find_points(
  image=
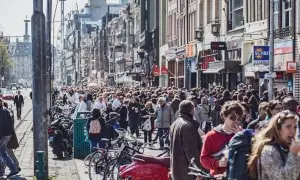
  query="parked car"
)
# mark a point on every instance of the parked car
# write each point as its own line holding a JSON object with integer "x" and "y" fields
{"x": 2, "y": 91}
{"x": 8, "y": 95}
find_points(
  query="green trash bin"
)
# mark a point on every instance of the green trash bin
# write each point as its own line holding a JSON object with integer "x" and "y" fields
{"x": 80, "y": 145}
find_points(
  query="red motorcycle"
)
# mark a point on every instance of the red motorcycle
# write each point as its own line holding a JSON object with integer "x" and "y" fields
{"x": 146, "y": 168}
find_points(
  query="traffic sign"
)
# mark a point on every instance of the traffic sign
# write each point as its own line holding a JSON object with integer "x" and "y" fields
{"x": 270, "y": 75}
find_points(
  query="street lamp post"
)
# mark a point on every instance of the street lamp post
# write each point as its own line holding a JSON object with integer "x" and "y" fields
{"x": 39, "y": 93}
{"x": 271, "y": 39}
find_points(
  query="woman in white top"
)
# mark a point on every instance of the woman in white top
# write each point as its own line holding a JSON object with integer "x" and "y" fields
{"x": 82, "y": 105}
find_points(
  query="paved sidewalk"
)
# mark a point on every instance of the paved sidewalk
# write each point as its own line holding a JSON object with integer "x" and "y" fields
{"x": 59, "y": 169}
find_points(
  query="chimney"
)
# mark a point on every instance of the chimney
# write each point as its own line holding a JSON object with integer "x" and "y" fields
{"x": 26, "y": 35}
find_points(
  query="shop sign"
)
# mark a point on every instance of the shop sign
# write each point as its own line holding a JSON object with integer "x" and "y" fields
{"x": 190, "y": 50}
{"x": 188, "y": 64}
{"x": 170, "y": 54}
{"x": 290, "y": 83}
{"x": 280, "y": 61}
{"x": 180, "y": 56}
{"x": 291, "y": 67}
{"x": 155, "y": 70}
{"x": 164, "y": 70}
{"x": 261, "y": 55}
{"x": 218, "y": 46}
{"x": 283, "y": 47}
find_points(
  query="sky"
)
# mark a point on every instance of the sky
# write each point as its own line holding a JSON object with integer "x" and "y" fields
{"x": 13, "y": 14}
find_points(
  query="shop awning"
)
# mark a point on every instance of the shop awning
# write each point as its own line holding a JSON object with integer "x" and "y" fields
{"x": 213, "y": 71}
{"x": 123, "y": 79}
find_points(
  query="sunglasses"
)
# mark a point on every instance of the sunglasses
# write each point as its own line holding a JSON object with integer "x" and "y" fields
{"x": 235, "y": 118}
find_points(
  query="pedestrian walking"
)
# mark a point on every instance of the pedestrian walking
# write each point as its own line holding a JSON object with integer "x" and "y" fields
{"x": 19, "y": 103}
{"x": 185, "y": 142}
{"x": 164, "y": 118}
{"x": 96, "y": 129}
{"x": 147, "y": 119}
{"x": 274, "y": 152}
{"x": 13, "y": 142}
{"x": 6, "y": 131}
{"x": 123, "y": 111}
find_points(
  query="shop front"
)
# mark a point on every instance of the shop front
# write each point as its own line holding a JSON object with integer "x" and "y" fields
{"x": 224, "y": 73}
{"x": 179, "y": 75}
{"x": 170, "y": 55}
{"x": 283, "y": 54}
{"x": 204, "y": 58}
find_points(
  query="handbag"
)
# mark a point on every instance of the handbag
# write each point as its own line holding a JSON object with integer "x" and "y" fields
{"x": 147, "y": 125}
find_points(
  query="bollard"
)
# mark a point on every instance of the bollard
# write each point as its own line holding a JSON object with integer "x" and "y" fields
{"x": 40, "y": 172}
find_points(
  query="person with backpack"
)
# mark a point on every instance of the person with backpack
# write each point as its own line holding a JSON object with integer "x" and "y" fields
{"x": 95, "y": 128}
{"x": 274, "y": 151}
{"x": 216, "y": 140}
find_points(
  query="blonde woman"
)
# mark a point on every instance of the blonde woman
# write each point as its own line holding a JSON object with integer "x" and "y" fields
{"x": 274, "y": 152}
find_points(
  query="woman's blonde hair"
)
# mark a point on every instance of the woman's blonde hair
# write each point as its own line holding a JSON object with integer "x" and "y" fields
{"x": 268, "y": 136}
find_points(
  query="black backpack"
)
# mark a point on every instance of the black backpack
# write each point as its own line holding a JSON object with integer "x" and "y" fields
{"x": 239, "y": 151}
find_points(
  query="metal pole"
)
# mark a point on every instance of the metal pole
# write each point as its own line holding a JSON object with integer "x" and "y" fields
{"x": 48, "y": 66}
{"x": 271, "y": 39}
{"x": 39, "y": 94}
{"x": 187, "y": 60}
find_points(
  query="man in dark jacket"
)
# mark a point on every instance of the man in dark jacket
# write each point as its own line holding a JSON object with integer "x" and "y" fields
{"x": 186, "y": 143}
{"x": 262, "y": 110}
{"x": 6, "y": 131}
{"x": 13, "y": 142}
{"x": 19, "y": 103}
{"x": 123, "y": 111}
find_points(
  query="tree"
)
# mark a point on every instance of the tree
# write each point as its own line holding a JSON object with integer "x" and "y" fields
{"x": 5, "y": 62}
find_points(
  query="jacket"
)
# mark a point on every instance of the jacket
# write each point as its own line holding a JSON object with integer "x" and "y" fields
{"x": 13, "y": 143}
{"x": 273, "y": 167}
{"x": 164, "y": 116}
{"x": 215, "y": 141}
{"x": 185, "y": 145}
{"x": 203, "y": 111}
{"x": 123, "y": 113}
{"x": 19, "y": 100}
{"x": 134, "y": 115}
{"x": 6, "y": 124}
{"x": 145, "y": 112}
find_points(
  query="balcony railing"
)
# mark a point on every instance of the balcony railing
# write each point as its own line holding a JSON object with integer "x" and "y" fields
{"x": 283, "y": 32}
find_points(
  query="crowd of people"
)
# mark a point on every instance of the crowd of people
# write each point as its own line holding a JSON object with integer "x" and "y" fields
{"x": 201, "y": 123}
{"x": 207, "y": 125}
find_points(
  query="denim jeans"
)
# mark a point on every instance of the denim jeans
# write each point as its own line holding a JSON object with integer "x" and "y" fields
{"x": 94, "y": 143}
{"x": 161, "y": 132}
{"x": 4, "y": 157}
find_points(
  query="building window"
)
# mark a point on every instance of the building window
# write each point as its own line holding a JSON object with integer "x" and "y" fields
{"x": 236, "y": 13}
{"x": 276, "y": 14}
{"x": 218, "y": 9}
{"x": 209, "y": 11}
{"x": 259, "y": 10}
{"x": 201, "y": 14}
{"x": 287, "y": 13}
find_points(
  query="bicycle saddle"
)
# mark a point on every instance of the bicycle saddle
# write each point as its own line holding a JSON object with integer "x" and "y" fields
{"x": 163, "y": 161}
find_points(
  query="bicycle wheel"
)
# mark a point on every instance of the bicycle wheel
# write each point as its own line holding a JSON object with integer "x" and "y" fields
{"x": 87, "y": 159}
{"x": 96, "y": 166}
{"x": 112, "y": 171}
